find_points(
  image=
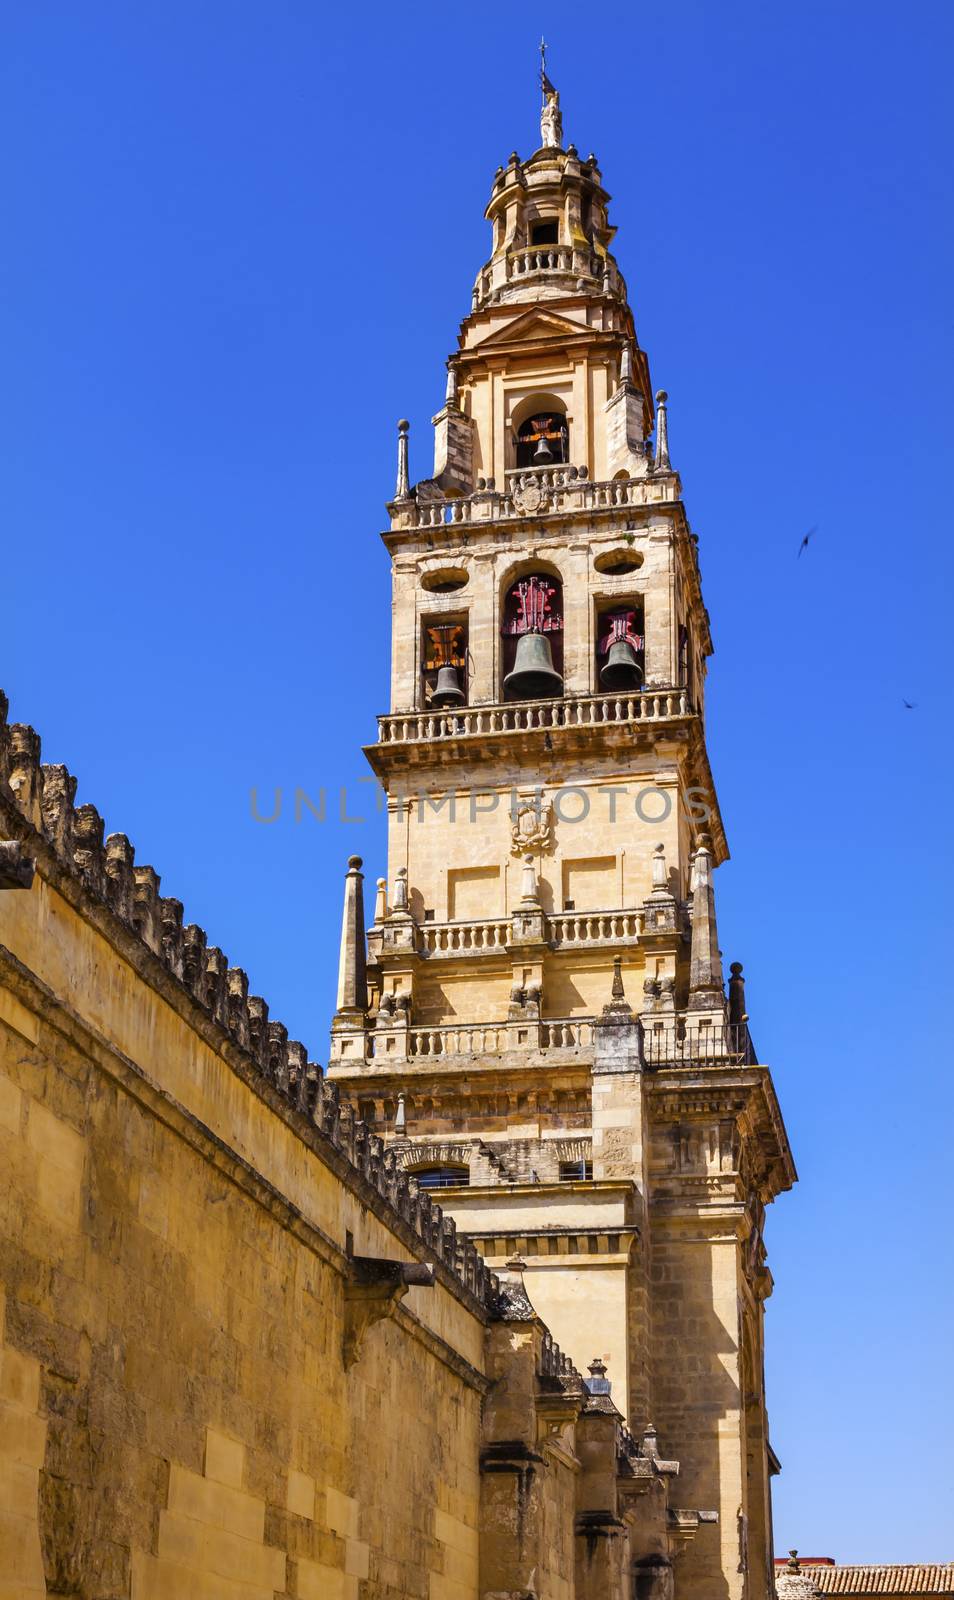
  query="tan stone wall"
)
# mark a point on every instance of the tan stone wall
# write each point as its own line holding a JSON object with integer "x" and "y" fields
{"x": 696, "y": 1294}
{"x": 175, "y": 1415}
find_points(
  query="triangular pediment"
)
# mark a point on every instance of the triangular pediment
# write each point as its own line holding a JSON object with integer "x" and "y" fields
{"x": 533, "y": 324}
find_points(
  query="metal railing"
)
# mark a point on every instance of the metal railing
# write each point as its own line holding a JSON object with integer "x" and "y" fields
{"x": 725, "y": 1044}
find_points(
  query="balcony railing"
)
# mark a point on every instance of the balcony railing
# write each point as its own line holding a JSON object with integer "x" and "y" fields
{"x": 561, "y": 929}
{"x": 494, "y": 1038}
{"x": 464, "y": 938}
{"x": 573, "y": 493}
{"x": 683, "y": 1044}
{"x": 725, "y": 1044}
{"x": 545, "y": 261}
{"x": 594, "y": 927}
{"x": 523, "y": 716}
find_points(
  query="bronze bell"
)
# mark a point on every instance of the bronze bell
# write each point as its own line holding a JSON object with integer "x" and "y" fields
{"x": 447, "y": 690}
{"x": 542, "y": 455}
{"x": 622, "y": 670}
{"x": 534, "y": 675}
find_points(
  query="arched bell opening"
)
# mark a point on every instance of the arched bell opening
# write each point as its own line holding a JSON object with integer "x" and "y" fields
{"x": 532, "y": 634}
{"x": 542, "y": 438}
{"x": 620, "y": 647}
{"x": 444, "y": 659}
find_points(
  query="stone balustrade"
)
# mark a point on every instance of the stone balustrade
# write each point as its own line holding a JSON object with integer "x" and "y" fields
{"x": 594, "y": 927}
{"x": 569, "y": 1035}
{"x": 571, "y": 493}
{"x": 464, "y": 938}
{"x": 502, "y": 275}
{"x": 565, "y": 928}
{"x": 522, "y": 716}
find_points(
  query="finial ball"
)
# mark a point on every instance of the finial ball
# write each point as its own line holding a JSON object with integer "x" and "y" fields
{"x": 355, "y": 863}
{"x": 403, "y": 425}
{"x": 661, "y": 397}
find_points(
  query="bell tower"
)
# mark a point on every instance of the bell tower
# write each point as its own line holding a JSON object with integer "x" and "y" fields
{"x": 543, "y": 1026}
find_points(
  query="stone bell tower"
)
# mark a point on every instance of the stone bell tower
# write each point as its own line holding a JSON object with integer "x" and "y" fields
{"x": 542, "y": 1026}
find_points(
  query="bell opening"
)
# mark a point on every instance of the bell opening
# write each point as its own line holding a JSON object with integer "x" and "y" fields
{"x": 444, "y": 662}
{"x": 620, "y": 649}
{"x": 533, "y": 638}
{"x": 542, "y": 439}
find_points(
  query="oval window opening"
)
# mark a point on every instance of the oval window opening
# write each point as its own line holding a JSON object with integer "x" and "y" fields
{"x": 616, "y": 563}
{"x": 447, "y": 581}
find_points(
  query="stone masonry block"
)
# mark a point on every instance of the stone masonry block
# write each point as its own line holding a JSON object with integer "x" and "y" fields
{"x": 54, "y": 1139}
{"x": 318, "y": 1582}
{"x": 215, "y": 1504}
{"x": 11, "y": 1101}
{"x": 300, "y": 1494}
{"x": 341, "y": 1513}
{"x": 224, "y": 1458}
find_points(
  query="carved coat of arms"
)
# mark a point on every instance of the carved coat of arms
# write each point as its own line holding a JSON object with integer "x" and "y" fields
{"x": 531, "y": 822}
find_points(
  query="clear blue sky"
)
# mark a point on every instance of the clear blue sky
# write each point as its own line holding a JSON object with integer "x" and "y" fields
{"x": 239, "y": 240}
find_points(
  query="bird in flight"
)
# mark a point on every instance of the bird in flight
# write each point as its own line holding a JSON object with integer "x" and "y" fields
{"x": 804, "y": 543}
{"x": 909, "y": 705}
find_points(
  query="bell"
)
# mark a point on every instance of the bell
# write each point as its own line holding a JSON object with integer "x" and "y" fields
{"x": 542, "y": 455}
{"x": 447, "y": 690}
{"x": 622, "y": 670}
{"x": 533, "y": 675}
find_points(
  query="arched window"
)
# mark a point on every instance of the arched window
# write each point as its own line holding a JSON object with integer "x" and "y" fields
{"x": 542, "y": 440}
{"x": 443, "y": 1177}
{"x": 533, "y": 638}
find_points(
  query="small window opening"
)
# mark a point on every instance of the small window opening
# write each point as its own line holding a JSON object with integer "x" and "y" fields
{"x": 575, "y": 1171}
{"x": 544, "y": 233}
{"x": 442, "y": 1177}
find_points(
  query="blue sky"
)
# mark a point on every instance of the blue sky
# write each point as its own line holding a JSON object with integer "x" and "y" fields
{"x": 240, "y": 239}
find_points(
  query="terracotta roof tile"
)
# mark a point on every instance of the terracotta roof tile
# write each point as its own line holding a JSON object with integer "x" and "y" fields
{"x": 863, "y": 1581}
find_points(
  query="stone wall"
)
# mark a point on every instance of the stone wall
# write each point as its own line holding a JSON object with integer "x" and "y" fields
{"x": 240, "y": 1354}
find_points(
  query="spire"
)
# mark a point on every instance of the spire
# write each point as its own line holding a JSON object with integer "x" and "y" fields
{"x": 661, "y": 458}
{"x": 617, "y": 1008}
{"x": 705, "y": 965}
{"x": 402, "y": 489}
{"x": 352, "y": 969}
{"x": 551, "y": 118}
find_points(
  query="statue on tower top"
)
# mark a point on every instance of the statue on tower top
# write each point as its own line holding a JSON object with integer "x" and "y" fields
{"x": 551, "y": 118}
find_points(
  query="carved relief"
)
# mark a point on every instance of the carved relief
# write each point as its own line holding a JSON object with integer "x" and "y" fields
{"x": 531, "y": 824}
